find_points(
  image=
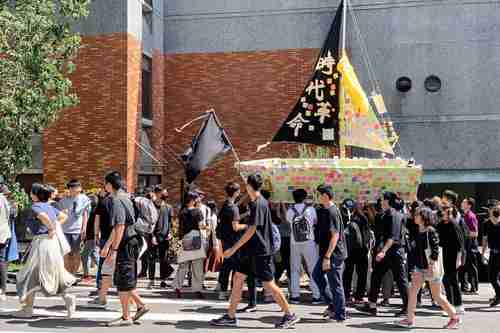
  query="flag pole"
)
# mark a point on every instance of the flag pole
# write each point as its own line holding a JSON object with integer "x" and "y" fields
{"x": 342, "y": 149}
{"x": 225, "y": 134}
{"x": 230, "y": 143}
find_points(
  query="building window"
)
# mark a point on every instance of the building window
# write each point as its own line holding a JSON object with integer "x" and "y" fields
{"x": 147, "y": 88}
{"x": 432, "y": 84}
{"x": 403, "y": 84}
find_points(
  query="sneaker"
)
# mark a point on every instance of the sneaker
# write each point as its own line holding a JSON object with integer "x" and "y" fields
{"x": 25, "y": 313}
{"x": 163, "y": 284}
{"x": 288, "y": 321}
{"x": 70, "y": 301}
{"x": 317, "y": 301}
{"x": 140, "y": 313}
{"x": 96, "y": 303}
{"x": 401, "y": 313}
{"x": 225, "y": 320}
{"x": 358, "y": 302}
{"x": 294, "y": 300}
{"x": 151, "y": 284}
{"x": 367, "y": 309}
{"x": 3, "y": 297}
{"x": 178, "y": 293}
{"x": 495, "y": 302}
{"x": 385, "y": 303}
{"x": 405, "y": 323}
{"x": 453, "y": 324}
{"x": 87, "y": 280}
{"x": 120, "y": 322}
{"x": 223, "y": 295}
{"x": 248, "y": 309}
{"x": 460, "y": 310}
{"x": 200, "y": 295}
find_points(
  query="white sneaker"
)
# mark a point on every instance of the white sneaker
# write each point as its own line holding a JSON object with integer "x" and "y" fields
{"x": 460, "y": 310}
{"x": 96, "y": 303}
{"x": 70, "y": 301}
{"x": 25, "y": 312}
{"x": 120, "y": 322}
{"x": 3, "y": 297}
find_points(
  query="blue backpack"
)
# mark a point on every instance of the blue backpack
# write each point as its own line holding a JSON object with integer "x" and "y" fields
{"x": 276, "y": 238}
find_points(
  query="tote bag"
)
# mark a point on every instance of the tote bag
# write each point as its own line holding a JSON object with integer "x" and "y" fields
{"x": 438, "y": 268}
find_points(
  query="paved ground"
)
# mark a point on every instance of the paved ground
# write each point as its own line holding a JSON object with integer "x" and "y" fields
{"x": 171, "y": 315}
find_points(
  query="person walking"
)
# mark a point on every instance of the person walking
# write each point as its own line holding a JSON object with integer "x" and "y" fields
{"x": 122, "y": 251}
{"x": 452, "y": 243}
{"x": 427, "y": 263}
{"x": 5, "y": 235}
{"x": 77, "y": 207}
{"x": 227, "y": 232}
{"x": 360, "y": 244}
{"x": 161, "y": 234}
{"x": 332, "y": 255}
{"x": 302, "y": 220}
{"x": 388, "y": 255}
{"x": 44, "y": 269}
{"x": 471, "y": 259}
{"x": 192, "y": 251}
{"x": 491, "y": 240}
{"x": 256, "y": 246}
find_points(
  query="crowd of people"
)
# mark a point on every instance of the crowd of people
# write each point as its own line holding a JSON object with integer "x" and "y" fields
{"x": 347, "y": 252}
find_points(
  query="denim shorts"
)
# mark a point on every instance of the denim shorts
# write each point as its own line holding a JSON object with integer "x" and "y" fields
{"x": 427, "y": 276}
{"x": 74, "y": 242}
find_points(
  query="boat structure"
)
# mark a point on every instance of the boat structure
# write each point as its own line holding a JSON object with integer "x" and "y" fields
{"x": 335, "y": 111}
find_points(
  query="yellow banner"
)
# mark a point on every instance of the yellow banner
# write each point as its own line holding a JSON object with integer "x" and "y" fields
{"x": 359, "y": 125}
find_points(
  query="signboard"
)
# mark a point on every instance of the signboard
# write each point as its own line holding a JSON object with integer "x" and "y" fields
{"x": 358, "y": 179}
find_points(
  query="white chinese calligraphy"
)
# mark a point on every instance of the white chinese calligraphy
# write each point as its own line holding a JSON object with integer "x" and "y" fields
{"x": 297, "y": 123}
{"x": 328, "y": 62}
{"x": 324, "y": 110}
{"x": 316, "y": 86}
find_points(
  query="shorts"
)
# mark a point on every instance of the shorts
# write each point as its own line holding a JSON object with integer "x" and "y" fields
{"x": 426, "y": 275}
{"x": 125, "y": 277}
{"x": 261, "y": 267}
{"x": 74, "y": 241}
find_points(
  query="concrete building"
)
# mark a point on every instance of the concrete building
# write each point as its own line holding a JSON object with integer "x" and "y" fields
{"x": 150, "y": 66}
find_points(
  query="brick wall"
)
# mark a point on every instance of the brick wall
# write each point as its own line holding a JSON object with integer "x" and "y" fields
{"x": 252, "y": 93}
{"x": 90, "y": 139}
{"x": 158, "y": 93}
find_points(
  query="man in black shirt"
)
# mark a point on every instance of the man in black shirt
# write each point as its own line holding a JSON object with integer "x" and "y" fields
{"x": 332, "y": 254}
{"x": 388, "y": 254}
{"x": 256, "y": 250}
{"x": 491, "y": 239}
{"x": 122, "y": 249}
{"x": 161, "y": 234}
{"x": 227, "y": 232}
{"x": 102, "y": 227}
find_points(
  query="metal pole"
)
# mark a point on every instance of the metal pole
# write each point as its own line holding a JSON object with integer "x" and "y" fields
{"x": 342, "y": 150}
{"x": 344, "y": 19}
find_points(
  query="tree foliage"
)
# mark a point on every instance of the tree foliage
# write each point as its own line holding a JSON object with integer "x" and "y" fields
{"x": 37, "y": 49}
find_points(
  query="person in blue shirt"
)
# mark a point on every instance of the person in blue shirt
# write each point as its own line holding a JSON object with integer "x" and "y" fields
{"x": 44, "y": 269}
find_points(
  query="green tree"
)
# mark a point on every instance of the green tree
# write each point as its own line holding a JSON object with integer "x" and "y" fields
{"x": 37, "y": 49}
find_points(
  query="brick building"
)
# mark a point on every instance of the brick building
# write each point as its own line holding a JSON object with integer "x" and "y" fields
{"x": 150, "y": 66}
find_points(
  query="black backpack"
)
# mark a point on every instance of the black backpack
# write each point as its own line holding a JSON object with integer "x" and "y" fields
{"x": 354, "y": 238}
{"x": 301, "y": 227}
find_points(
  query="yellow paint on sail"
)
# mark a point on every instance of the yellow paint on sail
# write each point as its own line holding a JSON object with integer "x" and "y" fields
{"x": 359, "y": 125}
